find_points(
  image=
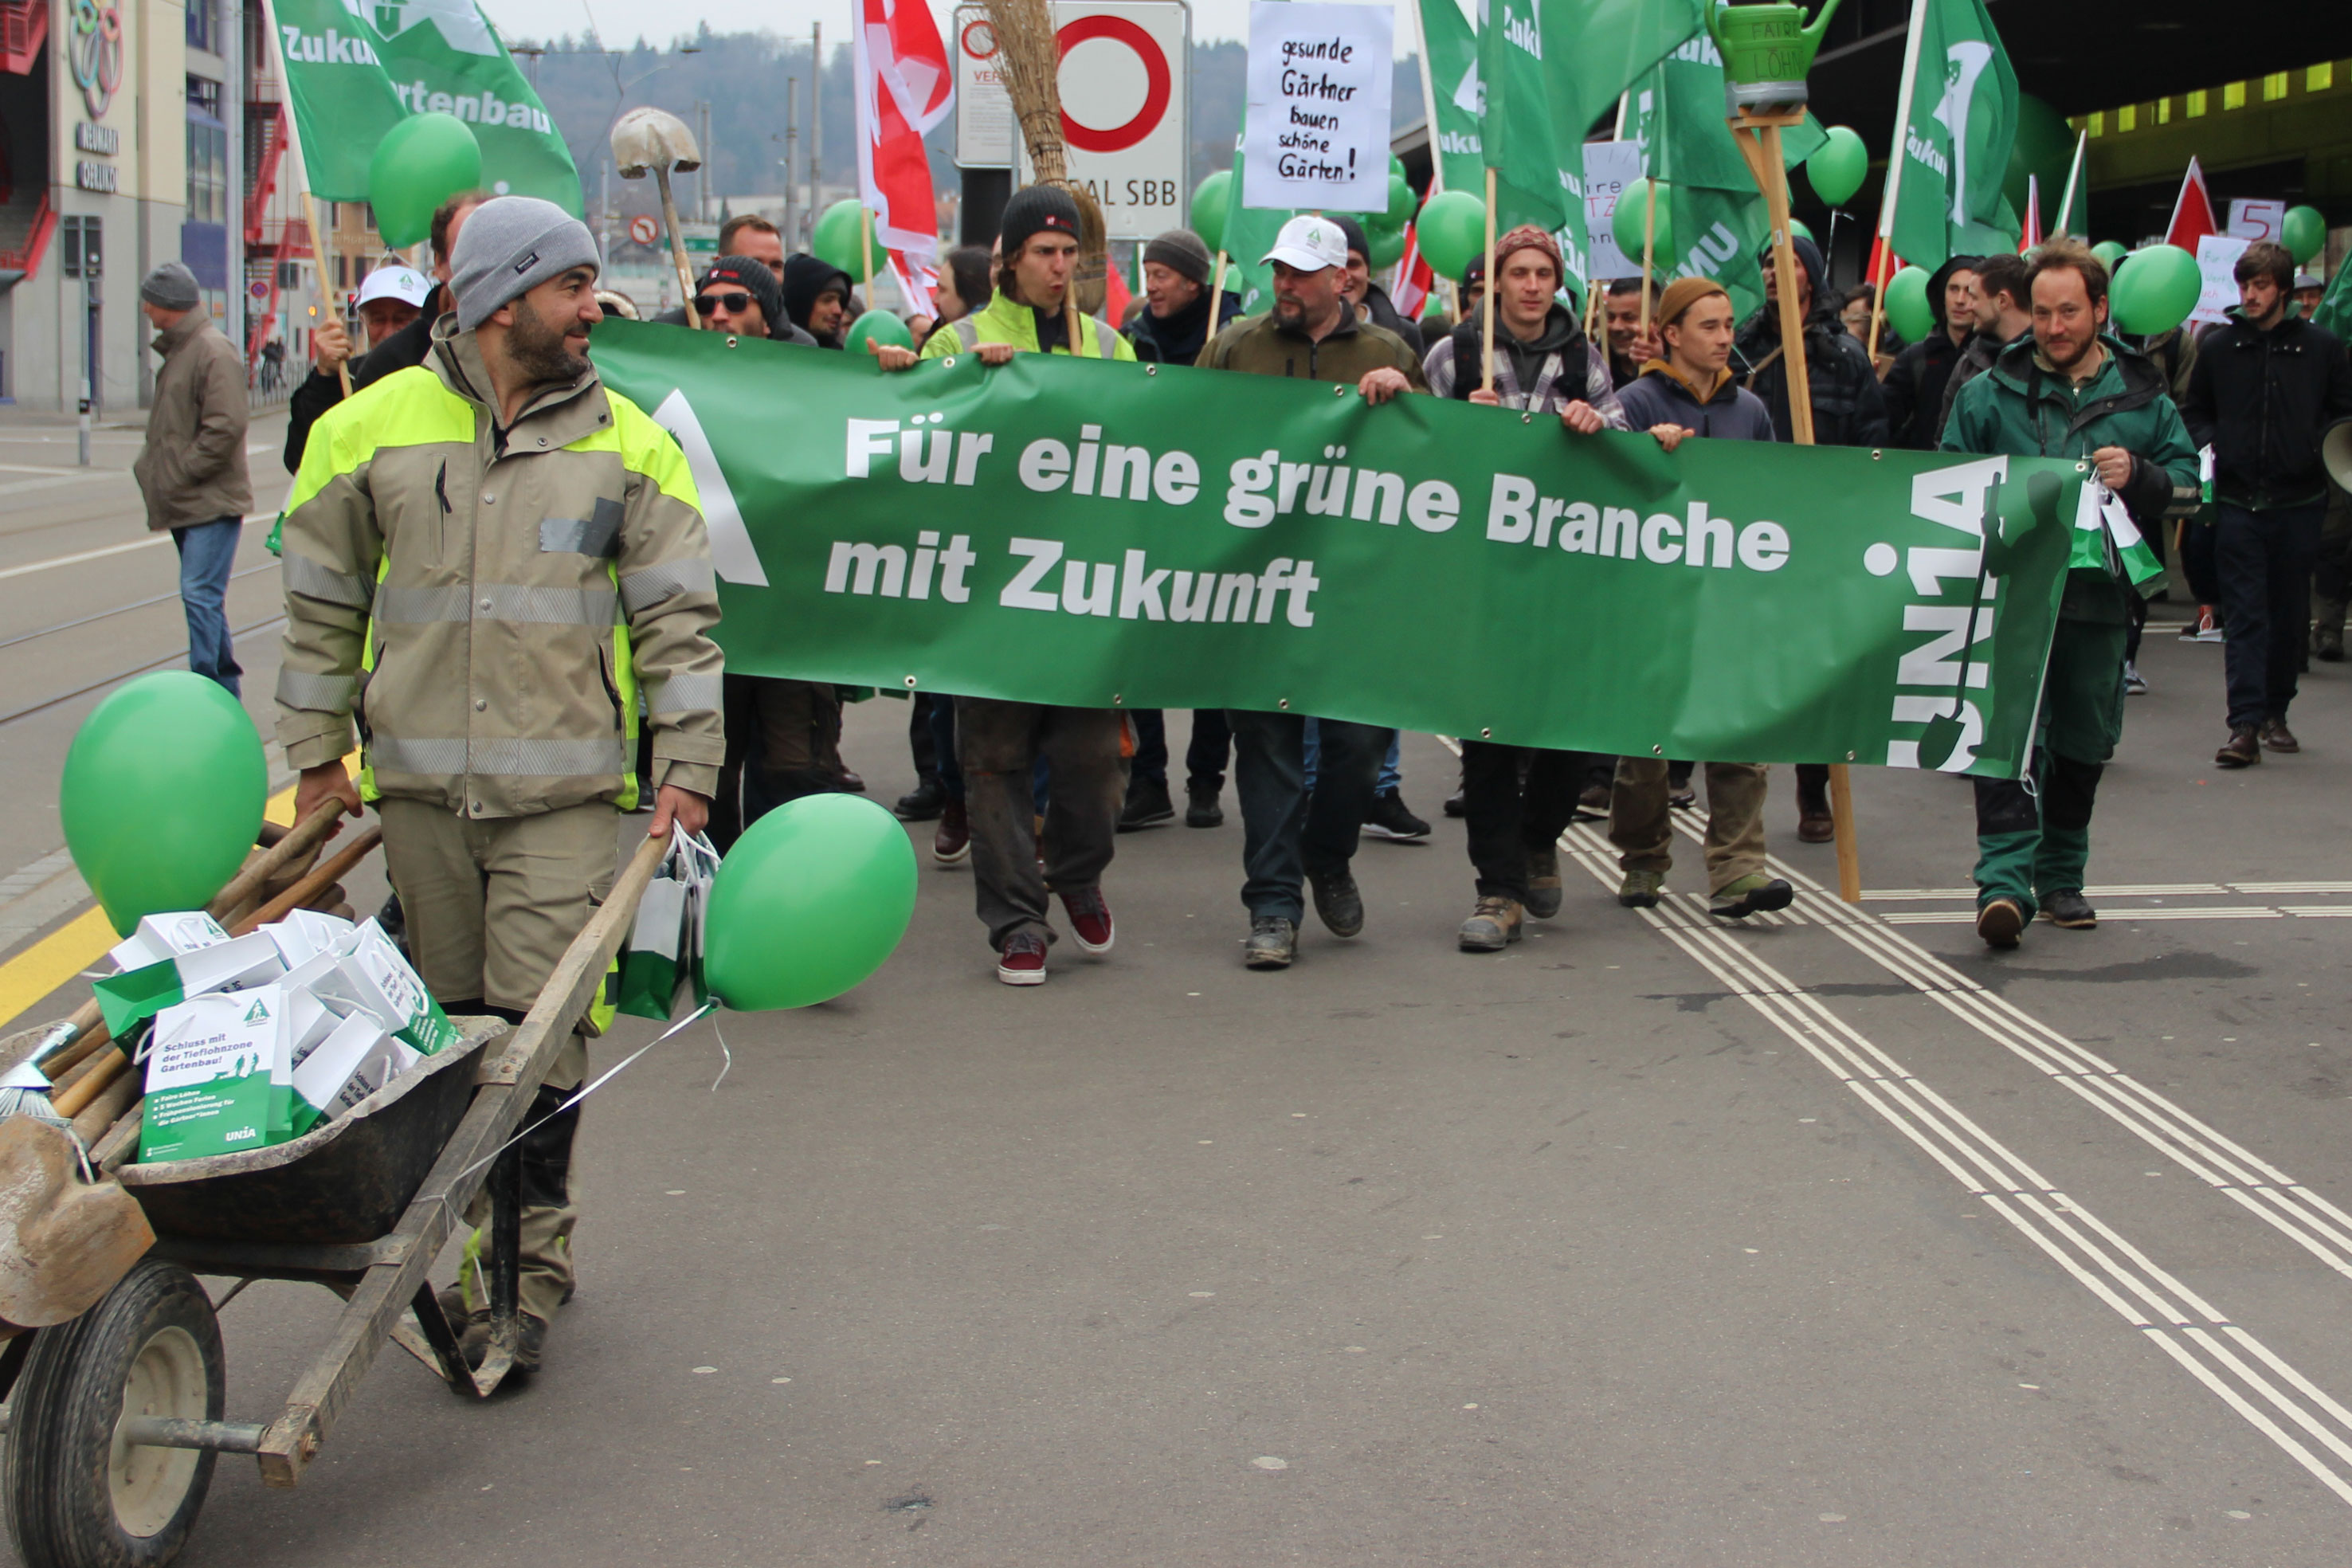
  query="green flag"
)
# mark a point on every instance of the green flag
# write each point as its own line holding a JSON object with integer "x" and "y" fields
{"x": 1453, "y": 53}
{"x": 2334, "y": 311}
{"x": 1515, "y": 122}
{"x": 1718, "y": 217}
{"x": 1249, "y": 234}
{"x": 1595, "y": 49}
{"x": 355, "y": 71}
{"x": 1958, "y": 121}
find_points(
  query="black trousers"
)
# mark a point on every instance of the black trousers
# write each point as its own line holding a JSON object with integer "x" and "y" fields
{"x": 1516, "y": 799}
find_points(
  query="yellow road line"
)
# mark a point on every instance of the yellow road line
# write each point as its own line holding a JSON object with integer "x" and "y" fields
{"x": 65, "y": 953}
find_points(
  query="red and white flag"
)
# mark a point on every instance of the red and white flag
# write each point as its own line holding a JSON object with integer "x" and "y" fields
{"x": 2033, "y": 234}
{"x": 904, "y": 88}
{"x": 2192, "y": 212}
{"x": 1414, "y": 278}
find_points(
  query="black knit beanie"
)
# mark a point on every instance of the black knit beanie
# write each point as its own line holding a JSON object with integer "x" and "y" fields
{"x": 1034, "y": 209}
{"x": 753, "y": 278}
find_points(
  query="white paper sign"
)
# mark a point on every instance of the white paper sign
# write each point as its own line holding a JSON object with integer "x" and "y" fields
{"x": 2258, "y": 220}
{"x": 1609, "y": 168}
{"x": 2217, "y": 260}
{"x": 1315, "y": 133}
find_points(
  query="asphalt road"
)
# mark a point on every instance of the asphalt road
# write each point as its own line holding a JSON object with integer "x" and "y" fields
{"x": 1832, "y": 1240}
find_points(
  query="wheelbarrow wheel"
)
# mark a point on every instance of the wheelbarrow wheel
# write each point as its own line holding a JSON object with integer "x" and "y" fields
{"x": 77, "y": 1495}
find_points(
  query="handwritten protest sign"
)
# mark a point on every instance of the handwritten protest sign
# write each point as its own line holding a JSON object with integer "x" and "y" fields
{"x": 1315, "y": 133}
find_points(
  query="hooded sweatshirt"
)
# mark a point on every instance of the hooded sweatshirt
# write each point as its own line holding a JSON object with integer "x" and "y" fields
{"x": 1723, "y": 411}
{"x": 806, "y": 278}
{"x": 1557, "y": 368}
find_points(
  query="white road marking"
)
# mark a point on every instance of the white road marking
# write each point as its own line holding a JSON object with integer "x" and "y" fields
{"x": 78, "y": 557}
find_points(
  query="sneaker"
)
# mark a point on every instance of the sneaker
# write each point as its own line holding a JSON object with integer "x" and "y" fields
{"x": 2277, "y": 737}
{"x": 1022, "y": 960}
{"x": 1337, "y": 901}
{"x": 951, "y": 844}
{"x": 1090, "y": 922}
{"x": 1639, "y": 890}
{"x": 2206, "y": 627}
{"x": 2135, "y": 683}
{"x": 1745, "y": 896}
{"x": 1543, "y": 882}
{"x": 2069, "y": 909}
{"x": 1202, "y": 810}
{"x": 1389, "y": 818}
{"x": 1273, "y": 942}
{"x": 923, "y": 802}
{"x": 2244, "y": 749}
{"x": 1458, "y": 804}
{"x": 1492, "y": 926}
{"x": 1592, "y": 805}
{"x": 1999, "y": 921}
{"x": 1148, "y": 806}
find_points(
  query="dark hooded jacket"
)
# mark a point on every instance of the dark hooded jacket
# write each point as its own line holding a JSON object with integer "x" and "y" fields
{"x": 1849, "y": 406}
{"x": 1180, "y": 338}
{"x": 806, "y": 279}
{"x": 320, "y": 392}
{"x": 1660, "y": 395}
{"x": 2260, "y": 400}
{"x": 1385, "y": 313}
{"x": 1916, "y": 384}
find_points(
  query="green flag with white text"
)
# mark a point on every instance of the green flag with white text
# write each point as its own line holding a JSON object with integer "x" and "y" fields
{"x": 1515, "y": 124}
{"x": 355, "y": 68}
{"x": 1595, "y": 49}
{"x": 1453, "y": 48}
{"x": 1958, "y": 126}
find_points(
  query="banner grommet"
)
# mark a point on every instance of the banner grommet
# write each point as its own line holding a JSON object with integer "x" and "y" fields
{"x": 910, "y": 683}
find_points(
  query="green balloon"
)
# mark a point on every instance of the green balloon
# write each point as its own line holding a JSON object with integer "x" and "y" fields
{"x": 163, "y": 793}
{"x": 876, "y": 326}
{"x": 2110, "y": 253}
{"x": 1797, "y": 229}
{"x": 2045, "y": 149}
{"x": 1839, "y": 166}
{"x": 2305, "y": 234}
{"x": 1210, "y": 199}
{"x": 1907, "y": 310}
{"x": 2155, "y": 289}
{"x": 1632, "y": 212}
{"x": 1386, "y": 246}
{"x": 1403, "y": 200}
{"x": 835, "y": 239}
{"x": 1396, "y": 167}
{"x": 808, "y": 903}
{"x": 421, "y": 163}
{"x": 1452, "y": 231}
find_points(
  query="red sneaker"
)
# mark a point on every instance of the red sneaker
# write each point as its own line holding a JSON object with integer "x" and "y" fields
{"x": 1089, "y": 920}
{"x": 1023, "y": 960}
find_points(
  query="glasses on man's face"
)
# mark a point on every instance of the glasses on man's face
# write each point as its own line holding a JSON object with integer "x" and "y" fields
{"x": 735, "y": 304}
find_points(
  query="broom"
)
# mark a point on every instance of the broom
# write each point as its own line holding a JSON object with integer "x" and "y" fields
{"x": 1030, "y": 57}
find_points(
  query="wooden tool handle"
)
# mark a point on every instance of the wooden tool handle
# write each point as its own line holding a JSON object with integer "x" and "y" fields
{"x": 106, "y": 1106}
{"x": 299, "y": 895}
{"x": 303, "y": 839}
{"x": 70, "y": 1101}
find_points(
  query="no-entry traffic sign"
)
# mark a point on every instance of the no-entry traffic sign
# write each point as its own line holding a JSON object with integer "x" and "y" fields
{"x": 1124, "y": 100}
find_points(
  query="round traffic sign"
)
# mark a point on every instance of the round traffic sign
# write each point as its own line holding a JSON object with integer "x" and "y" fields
{"x": 1156, "y": 90}
{"x": 644, "y": 229}
{"x": 978, "y": 39}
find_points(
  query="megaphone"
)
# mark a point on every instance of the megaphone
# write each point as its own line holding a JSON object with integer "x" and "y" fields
{"x": 2336, "y": 451}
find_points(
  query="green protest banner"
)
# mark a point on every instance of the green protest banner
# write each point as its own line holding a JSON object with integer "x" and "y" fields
{"x": 1100, "y": 534}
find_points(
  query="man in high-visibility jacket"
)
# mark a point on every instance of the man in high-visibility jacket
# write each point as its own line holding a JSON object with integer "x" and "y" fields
{"x": 486, "y": 557}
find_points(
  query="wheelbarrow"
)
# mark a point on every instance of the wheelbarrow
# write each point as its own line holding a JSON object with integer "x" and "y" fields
{"x": 114, "y": 1416}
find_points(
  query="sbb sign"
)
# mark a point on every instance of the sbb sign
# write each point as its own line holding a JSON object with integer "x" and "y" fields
{"x": 1124, "y": 99}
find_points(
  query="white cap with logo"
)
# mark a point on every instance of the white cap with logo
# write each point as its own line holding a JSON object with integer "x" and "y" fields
{"x": 405, "y": 284}
{"x": 1310, "y": 244}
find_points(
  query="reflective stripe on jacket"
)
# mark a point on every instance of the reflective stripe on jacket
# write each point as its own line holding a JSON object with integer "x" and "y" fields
{"x": 487, "y": 603}
{"x": 1006, "y": 320}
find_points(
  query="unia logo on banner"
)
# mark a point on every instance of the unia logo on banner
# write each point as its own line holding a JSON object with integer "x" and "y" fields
{"x": 461, "y": 25}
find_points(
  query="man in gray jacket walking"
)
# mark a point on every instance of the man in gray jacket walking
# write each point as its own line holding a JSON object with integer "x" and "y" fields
{"x": 192, "y": 469}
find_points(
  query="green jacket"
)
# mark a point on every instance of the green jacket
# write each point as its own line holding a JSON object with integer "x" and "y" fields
{"x": 2019, "y": 407}
{"x": 1006, "y": 320}
{"x": 488, "y": 603}
{"x": 1261, "y": 345}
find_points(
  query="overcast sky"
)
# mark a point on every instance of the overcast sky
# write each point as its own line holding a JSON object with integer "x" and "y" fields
{"x": 622, "y": 22}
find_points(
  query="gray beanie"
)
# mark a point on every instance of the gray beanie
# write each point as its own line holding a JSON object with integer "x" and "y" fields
{"x": 171, "y": 287}
{"x": 1181, "y": 250}
{"x": 510, "y": 246}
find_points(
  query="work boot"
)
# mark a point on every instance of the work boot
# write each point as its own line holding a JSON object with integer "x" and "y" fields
{"x": 1200, "y": 809}
{"x": 923, "y": 802}
{"x": 1815, "y": 825}
{"x": 1337, "y": 901}
{"x": 852, "y": 782}
{"x": 1273, "y": 942}
{"x": 1639, "y": 890}
{"x": 1592, "y": 804}
{"x": 2069, "y": 909}
{"x": 951, "y": 844}
{"x": 2243, "y": 750}
{"x": 1999, "y": 921}
{"x": 1390, "y": 818}
{"x": 1022, "y": 960}
{"x": 1745, "y": 896}
{"x": 530, "y": 1343}
{"x": 1492, "y": 926}
{"x": 1090, "y": 922}
{"x": 1148, "y": 806}
{"x": 2277, "y": 737}
{"x": 1543, "y": 882}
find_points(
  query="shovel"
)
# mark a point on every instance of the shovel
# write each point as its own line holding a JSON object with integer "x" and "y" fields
{"x": 658, "y": 142}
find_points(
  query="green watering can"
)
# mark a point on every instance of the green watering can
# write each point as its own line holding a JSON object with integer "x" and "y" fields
{"x": 1766, "y": 50}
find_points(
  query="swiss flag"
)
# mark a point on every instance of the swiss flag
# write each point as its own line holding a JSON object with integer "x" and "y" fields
{"x": 904, "y": 88}
{"x": 1116, "y": 297}
{"x": 1414, "y": 279}
{"x": 2192, "y": 213}
{"x": 1883, "y": 263}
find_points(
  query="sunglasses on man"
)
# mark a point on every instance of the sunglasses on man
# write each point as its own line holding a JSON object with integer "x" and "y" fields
{"x": 735, "y": 303}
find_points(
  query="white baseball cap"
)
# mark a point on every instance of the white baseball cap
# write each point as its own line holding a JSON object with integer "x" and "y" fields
{"x": 1310, "y": 244}
{"x": 405, "y": 284}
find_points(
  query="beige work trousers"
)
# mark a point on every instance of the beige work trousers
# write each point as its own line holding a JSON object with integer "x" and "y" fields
{"x": 1640, "y": 824}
